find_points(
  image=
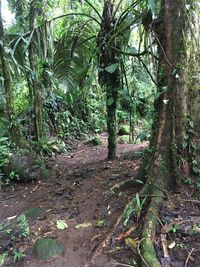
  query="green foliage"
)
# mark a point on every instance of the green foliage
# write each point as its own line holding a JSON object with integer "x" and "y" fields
{"x": 3, "y": 258}
{"x": 17, "y": 255}
{"x": 12, "y": 229}
{"x": 95, "y": 141}
{"x": 75, "y": 105}
{"x": 139, "y": 204}
{"x": 127, "y": 213}
{"x": 48, "y": 146}
{"x": 191, "y": 147}
{"x": 5, "y": 151}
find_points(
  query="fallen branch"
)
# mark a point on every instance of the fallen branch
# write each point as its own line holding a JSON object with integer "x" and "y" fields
{"x": 188, "y": 257}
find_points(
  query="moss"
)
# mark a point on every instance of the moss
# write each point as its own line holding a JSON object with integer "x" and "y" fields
{"x": 47, "y": 248}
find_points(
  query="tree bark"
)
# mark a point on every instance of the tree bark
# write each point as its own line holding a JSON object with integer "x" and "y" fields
{"x": 13, "y": 124}
{"x": 110, "y": 80}
{"x": 38, "y": 119}
{"x": 170, "y": 119}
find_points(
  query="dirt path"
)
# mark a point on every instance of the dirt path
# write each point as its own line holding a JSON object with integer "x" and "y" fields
{"x": 77, "y": 192}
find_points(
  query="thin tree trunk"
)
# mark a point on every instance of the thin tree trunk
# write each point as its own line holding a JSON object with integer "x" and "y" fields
{"x": 14, "y": 126}
{"x": 109, "y": 80}
{"x": 38, "y": 120}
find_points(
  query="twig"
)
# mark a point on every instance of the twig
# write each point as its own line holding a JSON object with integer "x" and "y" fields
{"x": 191, "y": 200}
{"x": 188, "y": 257}
{"x": 164, "y": 245}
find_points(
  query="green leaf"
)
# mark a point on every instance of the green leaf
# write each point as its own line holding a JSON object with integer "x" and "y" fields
{"x": 110, "y": 101}
{"x": 132, "y": 50}
{"x": 174, "y": 72}
{"x": 112, "y": 68}
{"x": 191, "y": 123}
{"x": 185, "y": 144}
{"x": 152, "y": 7}
{"x": 101, "y": 222}
{"x": 139, "y": 181}
{"x": 61, "y": 224}
{"x": 137, "y": 198}
{"x": 127, "y": 213}
{"x": 198, "y": 87}
{"x": 196, "y": 170}
{"x": 1, "y": 43}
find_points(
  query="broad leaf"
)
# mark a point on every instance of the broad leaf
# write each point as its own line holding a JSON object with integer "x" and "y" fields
{"x": 152, "y": 7}
{"x": 111, "y": 68}
{"x": 61, "y": 224}
{"x": 110, "y": 101}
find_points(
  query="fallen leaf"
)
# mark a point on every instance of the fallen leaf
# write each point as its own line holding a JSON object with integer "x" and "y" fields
{"x": 132, "y": 243}
{"x": 172, "y": 245}
{"x": 61, "y": 224}
{"x": 83, "y": 225}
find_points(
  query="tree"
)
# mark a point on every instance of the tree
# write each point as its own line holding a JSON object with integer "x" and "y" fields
{"x": 7, "y": 84}
{"x": 171, "y": 33}
{"x": 109, "y": 74}
{"x": 37, "y": 101}
{"x": 113, "y": 36}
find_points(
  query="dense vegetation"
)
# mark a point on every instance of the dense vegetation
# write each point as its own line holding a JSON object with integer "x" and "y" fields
{"x": 71, "y": 70}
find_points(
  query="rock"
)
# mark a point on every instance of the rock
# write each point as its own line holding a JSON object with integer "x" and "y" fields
{"x": 26, "y": 167}
{"x": 47, "y": 248}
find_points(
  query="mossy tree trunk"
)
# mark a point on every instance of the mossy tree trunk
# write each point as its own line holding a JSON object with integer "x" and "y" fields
{"x": 47, "y": 73}
{"x": 170, "y": 118}
{"x": 7, "y": 84}
{"x": 37, "y": 93}
{"x": 109, "y": 77}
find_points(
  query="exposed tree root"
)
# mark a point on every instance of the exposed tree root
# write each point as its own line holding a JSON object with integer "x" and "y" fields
{"x": 107, "y": 239}
{"x": 149, "y": 258}
{"x": 146, "y": 245}
{"x": 125, "y": 185}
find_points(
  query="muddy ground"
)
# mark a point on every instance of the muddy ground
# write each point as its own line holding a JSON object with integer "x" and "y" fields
{"x": 78, "y": 192}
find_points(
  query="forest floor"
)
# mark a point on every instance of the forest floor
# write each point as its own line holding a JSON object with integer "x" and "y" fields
{"x": 78, "y": 192}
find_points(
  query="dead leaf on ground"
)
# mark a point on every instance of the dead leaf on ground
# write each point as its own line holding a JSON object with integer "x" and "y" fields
{"x": 83, "y": 225}
{"x": 132, "y": 243}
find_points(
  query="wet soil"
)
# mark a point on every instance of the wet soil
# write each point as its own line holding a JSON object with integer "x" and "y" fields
{"x": 78, "y": 192}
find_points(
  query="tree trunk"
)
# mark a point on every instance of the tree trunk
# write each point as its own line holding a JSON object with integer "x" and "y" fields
{"x": 170, "y": 119}
{"x": 13, "y": 124}
{"x": 38, "y": 119}
{"x": 109, "y": 78}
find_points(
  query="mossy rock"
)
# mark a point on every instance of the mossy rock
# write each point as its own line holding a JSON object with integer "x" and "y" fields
{"x": 47, "y": 248}
{"x": 33, "y": 213}
{"x": 124, "y": 130}
{"x": 26, "y": 166}
{"x": 124, "y": 139}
